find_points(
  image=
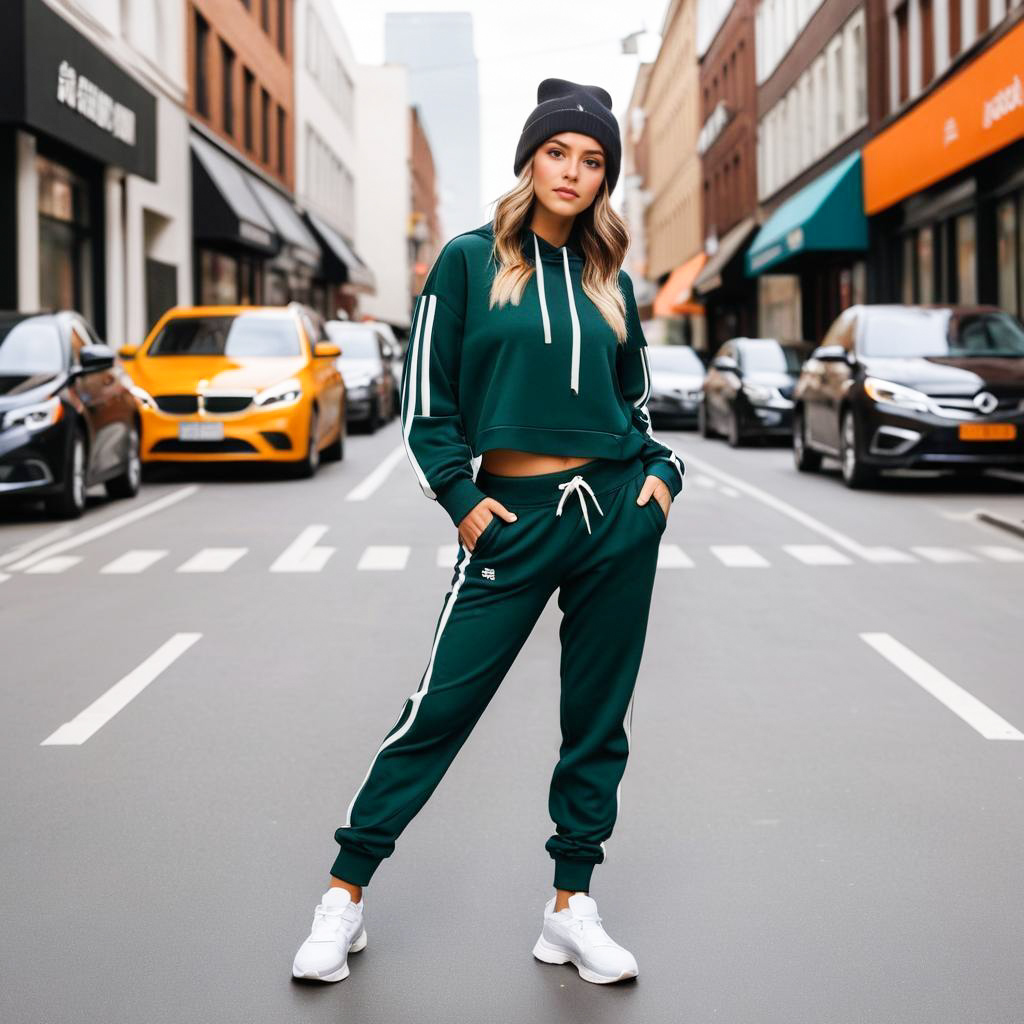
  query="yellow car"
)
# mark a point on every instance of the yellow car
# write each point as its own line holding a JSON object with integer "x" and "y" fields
{"x": 239, "y": 383}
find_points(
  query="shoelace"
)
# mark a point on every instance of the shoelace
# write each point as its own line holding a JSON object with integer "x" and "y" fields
{"x": 579, "y": 485}
{"x": 326, "y": 921}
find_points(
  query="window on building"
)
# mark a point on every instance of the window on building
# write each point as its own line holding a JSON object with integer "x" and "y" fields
{"x": 282, "y": 137}
{"x": 927, "y": 42}
{"x": 282, "y": 25}
{"x": 265, "y": 126}
{"x": 925, "y": 265}
{"x": 902, "y": 55}
{"x": 248, "y": 96}
{"x": 265, "y": 15}
{"x": 859, "y": 72}
{"x": 983, "y": 16}
{"x": 966, "y": 260}
{"x": 227, "y": 67}
{"x": 1008, "y": 268}
{"x": 200, "y": 71}
{"x": 907, "y": 271}
{"x": 955, "y": 42}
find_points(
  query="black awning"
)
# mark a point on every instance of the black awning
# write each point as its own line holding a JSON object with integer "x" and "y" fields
{"x": 224, "y": 205}
{"x": 711, "y": 278}
{"x": 341, "y": 260}
{"x": 288, "y": 224}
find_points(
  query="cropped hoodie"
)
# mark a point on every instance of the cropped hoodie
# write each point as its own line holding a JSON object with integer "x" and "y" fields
{"x": 547, "y": 375}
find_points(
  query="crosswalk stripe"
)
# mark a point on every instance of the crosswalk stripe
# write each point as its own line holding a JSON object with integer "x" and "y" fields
{"x": 886, "y": 556}
{"x": 738, "y": 556}
{"x": 1001, "y": 554}
{"x": 212, "y": 560}
{"x": 4, "y": 576}
{"x": 301, "y": 555}
{"x": 384, "y": 556}
{"x": 944, "y": 556}
{"x": 134, "y": 561}
{"x": 58, "y": 563}
{"x": 816, "y": 554}
{"x": 672, "y": 556}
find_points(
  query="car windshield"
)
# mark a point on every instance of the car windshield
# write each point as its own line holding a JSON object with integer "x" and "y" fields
{"x": 769, "y": 357}
{"x": 30, "y": 348}
{"x": 237, "y": 336}
{"x": 355, "y": 342}
{"x": 675, "y": 359}
{"x": 908, "y": 333}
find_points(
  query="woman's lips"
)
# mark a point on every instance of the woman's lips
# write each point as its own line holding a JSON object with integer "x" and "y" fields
{"x": 567, "y": 193}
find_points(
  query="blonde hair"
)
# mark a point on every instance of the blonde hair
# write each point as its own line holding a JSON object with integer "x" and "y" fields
{"x": 603, "y": 239}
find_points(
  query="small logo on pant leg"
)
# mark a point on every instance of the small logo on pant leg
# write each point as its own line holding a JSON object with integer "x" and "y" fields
{"x": 488, "y": 574}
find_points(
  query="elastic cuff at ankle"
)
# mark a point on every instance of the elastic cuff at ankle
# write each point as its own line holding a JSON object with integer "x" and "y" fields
{"x": 355, "y": 868}
{"x": 573, "y": 875}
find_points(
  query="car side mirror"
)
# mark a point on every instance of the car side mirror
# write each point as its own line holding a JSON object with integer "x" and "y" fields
{"x": 94, "y": 358}
{"x": 128, "y": 351}
{"x": 326, "y": 349}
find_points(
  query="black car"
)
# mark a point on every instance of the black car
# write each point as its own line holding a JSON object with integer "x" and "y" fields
{"x": 677, "y": 375}
{"x": 365, "y": 364}
{"x": 748, "y": 389}
{"x": 67, "y": 417}
{"x": 913, "y": 386}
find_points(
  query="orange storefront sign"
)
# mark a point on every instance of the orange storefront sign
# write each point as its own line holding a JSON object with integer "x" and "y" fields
{"x": 978, "y": 111}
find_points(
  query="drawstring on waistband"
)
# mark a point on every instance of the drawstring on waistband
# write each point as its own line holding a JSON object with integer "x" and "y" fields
{"x": 579, "y": 485}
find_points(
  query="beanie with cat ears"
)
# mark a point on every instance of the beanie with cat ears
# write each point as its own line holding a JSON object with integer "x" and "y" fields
{"x": 569, "y": 106}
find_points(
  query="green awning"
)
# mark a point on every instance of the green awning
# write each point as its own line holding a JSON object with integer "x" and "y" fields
{"x": 825, "y": 216}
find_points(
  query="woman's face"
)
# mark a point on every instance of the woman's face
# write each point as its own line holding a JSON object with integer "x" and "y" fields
{"x": 567, "y": 163}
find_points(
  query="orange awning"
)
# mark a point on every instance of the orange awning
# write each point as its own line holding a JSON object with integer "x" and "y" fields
{"x": 674, "y": 298}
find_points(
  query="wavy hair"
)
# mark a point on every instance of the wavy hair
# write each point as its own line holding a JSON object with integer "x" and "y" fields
{"x": 600, "y": 233}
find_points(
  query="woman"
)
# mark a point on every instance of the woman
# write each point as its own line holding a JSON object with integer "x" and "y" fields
{"x": 526, "y": 346}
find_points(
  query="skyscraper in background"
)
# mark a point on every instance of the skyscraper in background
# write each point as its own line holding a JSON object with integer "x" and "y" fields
{"x": 437, "y": 48}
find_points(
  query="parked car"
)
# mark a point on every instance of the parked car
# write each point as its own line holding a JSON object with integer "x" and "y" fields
{"x": 248, "y": 383}
{"x": 67, "y": 417}
{"x": 910, "y": 386}
{"x": 366, "y": 365}
{"x": 677, "y": 375}
{"x": 748, "y": 389}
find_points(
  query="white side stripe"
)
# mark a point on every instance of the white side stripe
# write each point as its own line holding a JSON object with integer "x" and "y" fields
{"x": 409, "y": 399}
{"x": 425, "y": 359}
{"x": 627, "y": 725}
{"x": 641, "y": 403}
{"x": 538, "y": 269}
{"x": 424, "y": 686}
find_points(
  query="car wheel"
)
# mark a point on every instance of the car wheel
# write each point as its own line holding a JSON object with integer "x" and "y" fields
{"x": 127, "y": 484}
{"x": 307, "y": 467}
{"x": 855, "y": 473}
{"x": 735, "y": 435}
{"x": 373, "y": 420}
{"x": 335, "y": 451}
{"x": 807, "y": 460}
{"x": 69, "y": 502}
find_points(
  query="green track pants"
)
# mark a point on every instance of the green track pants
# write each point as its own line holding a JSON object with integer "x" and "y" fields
{"x": 580, "y": 532}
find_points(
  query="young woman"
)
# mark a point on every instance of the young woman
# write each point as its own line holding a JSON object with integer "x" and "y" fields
{"x": 526, "y": 347}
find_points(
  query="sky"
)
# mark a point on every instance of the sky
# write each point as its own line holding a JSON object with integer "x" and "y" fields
{"x": 516, "y": 51}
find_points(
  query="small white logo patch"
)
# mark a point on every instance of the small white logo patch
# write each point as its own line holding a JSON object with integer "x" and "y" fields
{"x": 488, "y": 574}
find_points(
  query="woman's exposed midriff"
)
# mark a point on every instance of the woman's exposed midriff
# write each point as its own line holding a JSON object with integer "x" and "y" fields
{"x": 509, "y": 462}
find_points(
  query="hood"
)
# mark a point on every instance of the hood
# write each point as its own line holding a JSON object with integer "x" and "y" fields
{"x": 24, "y": 390}
{"x": 558, "y": 266}
{"x": 169, "y": 375}
{"x": 948, "y": 375}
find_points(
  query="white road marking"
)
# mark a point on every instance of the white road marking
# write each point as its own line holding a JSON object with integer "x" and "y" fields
{"x": 368, "y": 486}
{"x": 704, "y": 481}
{"x": 729, "y": 492}
{"x": 101, "y": 710}
{"x": 52, "y": 566}
{"x": 30, "y": 545}
{"x": 817, "y": 554}
{"x": 384, "y": 556}
{"x": 301, "y": 555}
{"x": 1001, "y": 554}
{"x": 135, "y": 561}
{"x": 672, "y": 556}
{"x": 975, "y": 713}
{"x": 108, "y": 527}
{"x": 4, "y": 576}
{"x": 944, "y": 556}
{"x": 738, "y": 556}
{"x": 212, "y": 560}
{"x": 783, "y": 507}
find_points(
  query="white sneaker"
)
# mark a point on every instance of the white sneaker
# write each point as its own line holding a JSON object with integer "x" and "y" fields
{"x": 576, "y": 935}
{"x": 337, "y": 931}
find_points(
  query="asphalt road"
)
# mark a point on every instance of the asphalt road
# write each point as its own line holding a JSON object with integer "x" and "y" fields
{"x": 821, "y": 819}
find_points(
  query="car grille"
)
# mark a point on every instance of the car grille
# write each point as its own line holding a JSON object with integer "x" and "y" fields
{"x": 1009, "y": 402}
{"x": 177, "y": 404}
{"x": 183, "y": 405}
{"x": 226, "y": 403}
{"x": 232, "y": 445}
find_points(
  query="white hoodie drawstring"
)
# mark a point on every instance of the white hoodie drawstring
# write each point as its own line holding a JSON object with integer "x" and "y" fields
{"x": 574, "y": 372}
{"x": 579, "y": 485}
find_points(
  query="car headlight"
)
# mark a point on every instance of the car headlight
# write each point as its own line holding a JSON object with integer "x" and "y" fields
{"x": 896, "y": 394}
{"x": 38, "y": 416}
{"x": 286, "y": 393}
{"x": 144, "y": 397}
{"x": 761, "y": 395}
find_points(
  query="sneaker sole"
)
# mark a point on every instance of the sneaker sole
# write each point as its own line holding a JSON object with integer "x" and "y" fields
{"x": 549, "y": 954}
{"x": 342, "y": 972}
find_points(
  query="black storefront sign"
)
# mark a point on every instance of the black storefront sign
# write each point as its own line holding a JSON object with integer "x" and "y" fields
{"x": 56, "y": 82}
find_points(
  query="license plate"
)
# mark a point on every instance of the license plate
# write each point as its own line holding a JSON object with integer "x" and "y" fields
{"x": 201, "y": 431}
{"x": 988, "y": 431}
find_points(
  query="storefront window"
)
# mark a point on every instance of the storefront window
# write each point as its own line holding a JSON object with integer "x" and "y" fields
{"x": 966, "y": 260}
{"x": 925, "y": 265}
{"x": 1006, "y": 254}
{"x": 907, "y": 271}
{"x": 65, "y": 244}
{"x": 218, "y": 279}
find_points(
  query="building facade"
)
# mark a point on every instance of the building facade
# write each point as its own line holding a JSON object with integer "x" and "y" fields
{"x": 424, "y": 232}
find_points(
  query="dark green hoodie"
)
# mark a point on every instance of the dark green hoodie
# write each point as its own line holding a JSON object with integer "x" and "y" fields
{"x": 546, "y": 376}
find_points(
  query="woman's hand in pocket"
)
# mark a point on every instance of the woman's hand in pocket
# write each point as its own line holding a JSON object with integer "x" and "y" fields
{"x": 654, "y": 485}
{"x": 475, "y": 521}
